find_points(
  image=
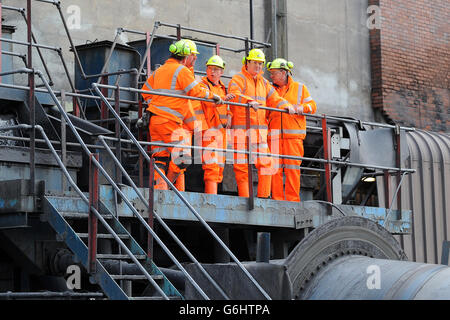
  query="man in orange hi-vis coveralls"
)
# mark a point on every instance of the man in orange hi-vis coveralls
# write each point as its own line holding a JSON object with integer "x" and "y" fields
{"x": 287, "y": 131}
{"x": 218, "y": 119}
{"x": 250, "y": 87}
{"x": 170, "y": 113}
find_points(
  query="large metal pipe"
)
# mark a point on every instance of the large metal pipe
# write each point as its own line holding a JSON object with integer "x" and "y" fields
{"x": 356, "y": 258}
{"x": 358, "y": 277}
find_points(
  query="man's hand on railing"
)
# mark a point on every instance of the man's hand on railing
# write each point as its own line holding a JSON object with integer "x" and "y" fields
{"x": 229, "y": 97}
{"x": 254, "y": 105}
{"x": 290, "y": 108}
{"x": 305, "y": 108}
{"x": 217, "y": 99}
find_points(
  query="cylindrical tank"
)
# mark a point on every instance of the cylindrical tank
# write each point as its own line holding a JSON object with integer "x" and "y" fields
{"x": 356, "y": 258}
{"x": 356, "y": 277}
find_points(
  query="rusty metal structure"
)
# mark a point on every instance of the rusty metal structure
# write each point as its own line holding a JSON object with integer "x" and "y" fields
{"x": 76, "y": 193}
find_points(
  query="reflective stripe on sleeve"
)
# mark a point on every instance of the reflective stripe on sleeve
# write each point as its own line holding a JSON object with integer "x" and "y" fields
{"x": 169, "y": 91}
{"x": 190, "y": 86}
{"x": 282, "y": 103}
{"x": 175, "y": 76}
{"x": 171, "y": 111}
{"x": 271, "y": 92}
{"x": 258, "y": 98}
{"x": 190, "y": 119}
{"x": 299, "y": 93}
{"x": 253, "y": 126}
{"x": 292, "y": 166}
{"x": 147, "y": 84}
{"x": 293, "y": 131}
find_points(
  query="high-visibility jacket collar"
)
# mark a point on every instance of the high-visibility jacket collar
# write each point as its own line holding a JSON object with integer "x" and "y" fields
{"x": 206, "y": 81}
{"x": 215, "y": 115}
{"x": 283, "y": 89}
{"x": 172, "y": 60}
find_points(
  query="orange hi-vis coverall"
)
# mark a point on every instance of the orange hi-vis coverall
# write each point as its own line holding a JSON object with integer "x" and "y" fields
{"x": 246, "y": 89}
{"x": 286, "y": 133}
{"x": 215, "y": 136}
{"x": 169, "y": 114}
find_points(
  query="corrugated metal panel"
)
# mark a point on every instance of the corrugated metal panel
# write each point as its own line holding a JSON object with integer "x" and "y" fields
{"x": 426, "y": 193}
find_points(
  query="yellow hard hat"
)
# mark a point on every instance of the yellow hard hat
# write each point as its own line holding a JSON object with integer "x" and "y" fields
{"x": 256, "y": 55}
{"x": 192, "y": 46}
{"x": 180, "y": 48}
{"x": 216, "y": 61}
{"x": 280, "y": 63}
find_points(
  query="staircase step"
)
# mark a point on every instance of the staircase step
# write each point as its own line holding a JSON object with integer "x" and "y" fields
{"x": 155, "y": 298}
{"x": 78, "y": 215}
{"x": 119, "y": 256}
{"x": 104, "y": 236}
{"x": 135, "y": 277}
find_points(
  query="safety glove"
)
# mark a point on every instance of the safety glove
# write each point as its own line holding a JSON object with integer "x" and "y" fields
{"x": 254, "y": 105}
{"x": 217, "y": 99}
{"x": 290, "y": 108}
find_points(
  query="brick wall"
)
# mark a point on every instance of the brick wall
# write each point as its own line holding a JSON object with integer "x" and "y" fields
{"x": 410, "y": 57}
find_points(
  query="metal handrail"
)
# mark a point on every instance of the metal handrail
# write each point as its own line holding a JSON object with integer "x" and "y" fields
{"x": 86, "y": 200}
{"x": 346, "y": 163}
{"x": 198, "y": 216}
{"x": 318, "y": 116}
{"x": 214, "y": 34}
{"x": 270, "y": 109}
{"x": 160, "y": 220}
{"x": 262, "y": 154}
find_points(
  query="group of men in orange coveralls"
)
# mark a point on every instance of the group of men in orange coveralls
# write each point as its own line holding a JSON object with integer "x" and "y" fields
{"x": 175, "y": 120}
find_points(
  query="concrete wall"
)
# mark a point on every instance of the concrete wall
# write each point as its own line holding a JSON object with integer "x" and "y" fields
{"x": 327, "y": 39}
{"x": 328, "y": 42}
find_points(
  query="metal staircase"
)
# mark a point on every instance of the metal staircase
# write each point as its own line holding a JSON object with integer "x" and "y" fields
{"x": 80, "y": 220}
{"x": 61, "y": 211}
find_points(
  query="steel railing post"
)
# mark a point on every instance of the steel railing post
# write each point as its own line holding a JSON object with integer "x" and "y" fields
{"x": 1, "y": 36}
{"x": 151, "y": 199}
{"x": 398, "y": 164}
{"x": 76, "y": 107}
{"x": 103, "y": 109}
{"x": 63, "y": 138}
{"x": 117, "y": 130}
{"x": 31, "y": 105}
{"x": 140, "y": 137}
{"x": 387, "y": 188}
{"x": 251, "y": 199}
{"x": 326, "y": 135}
{"x": 148, "y": 41}
{"x": 178, "y": 32}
